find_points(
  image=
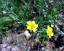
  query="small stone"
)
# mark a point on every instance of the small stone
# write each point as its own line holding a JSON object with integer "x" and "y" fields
{"x": 4, "y": 49}
{"x": 27, "y": 34}
{"x": 15, "y": 48}
{"x": 4, "y": 45}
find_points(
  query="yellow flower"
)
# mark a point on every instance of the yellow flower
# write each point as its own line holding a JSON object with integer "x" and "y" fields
{"x": 50, "y": 31}
{"x": 31, "y": 25}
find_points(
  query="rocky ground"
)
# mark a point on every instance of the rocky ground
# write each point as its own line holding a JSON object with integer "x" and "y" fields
{"x": 19, "y": 42}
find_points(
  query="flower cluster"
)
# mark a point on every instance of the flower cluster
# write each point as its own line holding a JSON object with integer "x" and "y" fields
{"x": 50, "y": 31}
{"x": 32, "y": 26}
